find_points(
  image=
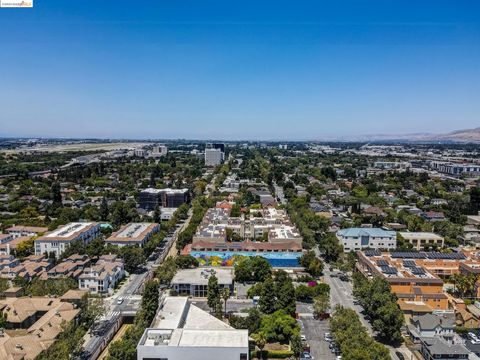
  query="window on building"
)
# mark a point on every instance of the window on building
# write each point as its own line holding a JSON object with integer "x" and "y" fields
{"x": 243, "y": 357}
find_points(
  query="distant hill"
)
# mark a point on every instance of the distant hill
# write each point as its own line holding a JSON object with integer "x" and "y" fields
{"x": 467, "y": 135}
{"x": 458, "y": 136}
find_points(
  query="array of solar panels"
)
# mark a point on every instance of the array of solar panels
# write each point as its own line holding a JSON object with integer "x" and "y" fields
{"x": 372, "y": 253}
{"x": 388, "y": 270}
{"x": 427, "y": 255}
{"x": 417, "y": 271}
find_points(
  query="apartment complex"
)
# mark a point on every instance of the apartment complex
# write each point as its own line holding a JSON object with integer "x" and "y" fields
{"x": 182, "y": 331}
{"x": 417, "y": 277}
{"x": 409, "y": 280}
{"x": 31, "y": 266}
{"x": 354, "y": 239}
{"x": 149, "y": 199}
{"x": 102, "y": 277}
{"x": 20, "y": 230}
{"x": 455, "y": 169}
{"x": 41, "y": 319}
{"x": 268, "y": 233}
{"x": 133, "y": 234}
{"x": 421, "y": 240}
{"x": 57, "y": 241}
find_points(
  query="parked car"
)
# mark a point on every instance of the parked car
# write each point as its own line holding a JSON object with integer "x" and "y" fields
{"x": 328, "y": 337}
{"x": 400, "y": 355}
{"x": 119, "y": 301}
{"x": 306, "y": 356}
{"x": 303, "y": 337}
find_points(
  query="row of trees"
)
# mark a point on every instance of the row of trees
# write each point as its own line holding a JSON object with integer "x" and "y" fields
{"x": 380, "y": 305}
{"x": 352, "y": 337}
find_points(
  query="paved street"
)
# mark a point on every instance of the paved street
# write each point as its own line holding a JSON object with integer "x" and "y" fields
{"x": 341, "y": 293}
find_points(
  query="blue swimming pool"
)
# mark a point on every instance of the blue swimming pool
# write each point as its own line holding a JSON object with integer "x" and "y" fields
{"x": 276, "y": 259}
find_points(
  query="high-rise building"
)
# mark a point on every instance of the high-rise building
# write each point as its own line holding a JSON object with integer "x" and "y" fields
{"x": 219, "y": 146}
{"x": 158, "y": 151}
{"x": 213, "y": 157}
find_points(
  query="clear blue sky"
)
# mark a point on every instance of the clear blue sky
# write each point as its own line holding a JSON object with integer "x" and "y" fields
{"x": 239, "y": 69}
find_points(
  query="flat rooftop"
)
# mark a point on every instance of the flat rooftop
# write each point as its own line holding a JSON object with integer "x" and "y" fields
{"x": 133, "y": 231}
{"x": 181, "y": 324}
{"x": 67, "y": 231}
{"x": 200, "y": 276}
{"x": 166, "y": 190}
{"x": 420, "y": 235}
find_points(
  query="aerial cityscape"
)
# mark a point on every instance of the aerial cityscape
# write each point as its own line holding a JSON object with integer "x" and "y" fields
{"x": 239, "y": 180}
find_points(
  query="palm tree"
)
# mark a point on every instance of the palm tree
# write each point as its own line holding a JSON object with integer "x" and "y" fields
{"x": 260, "y": 341}
{"x": 225, "y": 296}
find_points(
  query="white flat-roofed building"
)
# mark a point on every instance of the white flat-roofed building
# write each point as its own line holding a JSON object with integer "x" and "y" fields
{"x": 182, "y": 331}
{"x": 133, "y": 234}
{"x": 420, "y": 240}
{"x": 194, "y": 282}
{"x": 58, "y": 240}
{"x": 353, "y": 239}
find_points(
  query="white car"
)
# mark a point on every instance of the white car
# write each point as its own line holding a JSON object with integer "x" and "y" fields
{"x": 303, "y": 337}
{"x": 327, "y": 337}
{"x": 119, "y": 301}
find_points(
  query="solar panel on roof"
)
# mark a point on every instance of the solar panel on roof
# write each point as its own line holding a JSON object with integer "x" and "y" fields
{"x": 418, "y": 271}
{"x": 372, "y": 253}
{"x": 445, "y": 256}
{"x": 409, "y": 263}
{"x": 382, "y": 263}
{"x": 407, "y": 255}
{"x": 389, "y": 270}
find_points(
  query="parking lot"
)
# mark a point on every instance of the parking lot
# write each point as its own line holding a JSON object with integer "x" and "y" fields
{"x": 314, "y": 331}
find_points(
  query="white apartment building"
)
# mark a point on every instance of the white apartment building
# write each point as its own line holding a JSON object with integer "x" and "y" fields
{"x": 182, "y": 331}
{"x": 57, "y": 241}
{"x": 353, "y": 239}
{"x": 420, "y": 240}
{"x": 213, "y": 157}
{"x": 133, "y": 234}
{"x": 103, "y": 276}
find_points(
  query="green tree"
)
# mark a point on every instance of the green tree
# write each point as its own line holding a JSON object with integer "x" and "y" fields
{"x": 279, "y": 326}
{"x": 133, "y": 258}
{"x": 225, "y": 294}
{"x": 186, "y": 262}
{"x": 157, "y": 215}
{"x": 56, "y": 194}
{"x": 260, "y": 341}
{"x": 104, "y": 211}
{"x": 285, "y": 292}
{"x": 321, "y": 304}
{"x": 213, "y": 293}
{"x": 149, "y": 303}
{"x": 267, "y": 301}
